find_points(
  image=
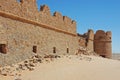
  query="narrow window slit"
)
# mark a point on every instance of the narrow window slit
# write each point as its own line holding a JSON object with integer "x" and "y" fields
{"x": 54, "y": 49}
{"x": 3, "y": 48}
{"x": 35, "y": 49}
{"x": 67, "y": 50}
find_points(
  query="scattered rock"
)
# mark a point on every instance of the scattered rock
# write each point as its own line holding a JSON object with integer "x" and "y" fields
{"x": 25, "y": 61}
{"x": 22, "y": 67}
{"x": 32, "y": 64}
{"x": 31, "y": 69}
{"x": 49, "y": 56}
{"x": 56, "y": 56}
{"x": 85, "y": 51}
{"x": 87, "y": 58}
{"x": 4, "y": 72}
{"x": 37, "y": 56}
{"x": 35, "y": 61}
{"x": 17, "y": 76}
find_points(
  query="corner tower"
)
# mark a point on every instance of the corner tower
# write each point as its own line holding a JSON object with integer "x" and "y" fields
{"x": 102, "y": 43}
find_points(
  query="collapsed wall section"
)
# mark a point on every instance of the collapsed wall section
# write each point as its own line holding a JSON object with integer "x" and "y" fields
{"x": 87, "y": 40}
{"x": 82, "y": 40}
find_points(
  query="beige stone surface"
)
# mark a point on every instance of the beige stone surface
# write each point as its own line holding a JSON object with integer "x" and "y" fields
{"x": 102, "y": 43}
{"x": 28, "y": 9}
{"x": 21, "y": 37}
{"x": 23, "y": 27}
{"x": 90, "y": 41}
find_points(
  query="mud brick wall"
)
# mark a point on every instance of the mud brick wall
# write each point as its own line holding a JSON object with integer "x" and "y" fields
{"x": 21, "y": 37}
{"x": 25, "y": 31}
{"x": 82, "y": 41}
{"x": 28, "y": 9}
{"x": 24, "y": 28}
{"x": 102, "y": 43}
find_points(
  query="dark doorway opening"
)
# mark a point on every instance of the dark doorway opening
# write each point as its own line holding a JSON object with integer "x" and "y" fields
{"x": 54, "y": 49}
{"x": 35, "y": 49}
{"x": 67, "y": 50}
{"x": 3, "y": 48}
{"x": 103, "y": 56}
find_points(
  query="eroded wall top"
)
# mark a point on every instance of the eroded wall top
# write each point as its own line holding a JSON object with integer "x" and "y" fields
{"x": 103, "y": 36}
{"x": 28, "y": 9}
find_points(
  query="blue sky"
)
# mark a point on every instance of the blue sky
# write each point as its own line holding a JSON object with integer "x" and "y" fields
{"x": 91, "y": 14}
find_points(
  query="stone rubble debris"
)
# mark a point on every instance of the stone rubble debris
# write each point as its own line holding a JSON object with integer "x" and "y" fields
{"x": 28, "y": 64}
{"x": 85, "y": 51}
{"x": 31, "y": 63}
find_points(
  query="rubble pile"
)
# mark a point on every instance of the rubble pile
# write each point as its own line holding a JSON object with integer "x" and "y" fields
{"x": 85, "y": 51}
{"x": 32, "y": 62}
{"x": 28, "y": 64}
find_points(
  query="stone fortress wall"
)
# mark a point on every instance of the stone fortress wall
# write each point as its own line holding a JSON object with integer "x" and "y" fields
{"x": 27, "y": 9}
{"x": 25, "y": 31}
{"x": 100, "y": 42}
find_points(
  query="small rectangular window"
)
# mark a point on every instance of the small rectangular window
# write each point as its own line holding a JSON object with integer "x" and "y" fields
{"x": 67, "y": 50}
{"x": 3, "y": 48}
{"x": 35, "y": 49}
{"x": 54, "y": 49}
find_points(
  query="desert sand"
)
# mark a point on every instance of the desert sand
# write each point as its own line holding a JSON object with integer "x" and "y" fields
{"x": 72, "y": 67}
{"x": 116, "y": 56}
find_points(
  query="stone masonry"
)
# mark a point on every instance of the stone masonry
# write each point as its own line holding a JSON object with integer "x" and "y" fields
{"x": 100, "y": 42}
{"x": 25, "y": 31}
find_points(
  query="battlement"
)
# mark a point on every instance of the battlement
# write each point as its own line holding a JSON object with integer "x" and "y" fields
{"x": 45, "y": 9}
{"x": 27, "y": 9}
{"x": 103, "y": 36}
{"x": 100, "y": 42}
{"x": 109, "y": 35}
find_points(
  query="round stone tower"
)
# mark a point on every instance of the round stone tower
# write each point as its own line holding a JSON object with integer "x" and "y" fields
{"x": 102, "y": 43}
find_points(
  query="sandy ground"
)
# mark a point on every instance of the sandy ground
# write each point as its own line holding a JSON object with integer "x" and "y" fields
{"x": 116, "y": 56}
{"x": 72, "y": 68}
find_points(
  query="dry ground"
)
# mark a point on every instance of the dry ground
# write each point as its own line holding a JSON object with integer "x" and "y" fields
{"x": 71, "y": 68}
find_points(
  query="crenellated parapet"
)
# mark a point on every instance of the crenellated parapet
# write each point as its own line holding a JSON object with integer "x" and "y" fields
{"x": 103, "y": 36}
{"x": 100, "y": 42}
{"x": 27, "y": 9}
{"x": 45, "y": 10}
